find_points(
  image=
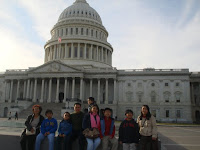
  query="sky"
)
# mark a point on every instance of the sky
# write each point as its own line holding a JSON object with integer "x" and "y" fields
{"x": 160, "y": 34}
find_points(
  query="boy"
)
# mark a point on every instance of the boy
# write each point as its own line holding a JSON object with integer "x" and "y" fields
{"x": 108, "y": 130}
{"x": 90, "y": 103}
{"x": 48, "y": 129}
{"x": 129, "y": 132}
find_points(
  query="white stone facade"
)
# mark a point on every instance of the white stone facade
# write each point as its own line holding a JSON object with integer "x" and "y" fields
{"x": 78, "y": 64}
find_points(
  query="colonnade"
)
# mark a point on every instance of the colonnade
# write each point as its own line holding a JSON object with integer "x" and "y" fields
{"x": 78, "y": 51}
{"x": 41, "y": 89}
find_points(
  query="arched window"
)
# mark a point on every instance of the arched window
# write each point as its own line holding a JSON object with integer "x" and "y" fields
{"x": 153, "y": 96}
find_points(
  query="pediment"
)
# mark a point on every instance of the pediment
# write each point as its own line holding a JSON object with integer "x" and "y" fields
{"x": 54, "y": 66}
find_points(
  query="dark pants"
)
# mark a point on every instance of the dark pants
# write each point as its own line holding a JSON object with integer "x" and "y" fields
{"x": 29, "y": 140}
{"x": 65, "y": 142}
{"x": 81, "y": 139}
{"x": 145, "y": 142}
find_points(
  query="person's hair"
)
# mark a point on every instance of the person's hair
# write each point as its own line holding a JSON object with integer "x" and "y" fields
{"x": 128, "y": 111}
{"x": 148, "y": 115}
{"x": 95, "y": 105}
{"x": 67, "y": 113}
{"x": 91, "y": 98}
{"x": 40, "y": 108}
{"x": 77, "y": 104}
{"x": 107, "y": 109}
{"x": 48, "y": 111}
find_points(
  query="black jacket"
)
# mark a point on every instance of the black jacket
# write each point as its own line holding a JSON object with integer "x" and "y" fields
{"x": 30, "y": 119}
{"x": 86, "y": 121}
{"x": 129, "y": 132}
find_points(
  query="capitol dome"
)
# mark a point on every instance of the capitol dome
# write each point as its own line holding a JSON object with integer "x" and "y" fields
{"x": 82, "y": 10}
{"x": 79, "y": 38}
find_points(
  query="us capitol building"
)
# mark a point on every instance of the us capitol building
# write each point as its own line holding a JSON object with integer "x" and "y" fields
{"x": 78, "y": 64}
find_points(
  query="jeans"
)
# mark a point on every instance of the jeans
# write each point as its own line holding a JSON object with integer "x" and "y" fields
{"x": 129, "y": 146}
{"x": 93, "y": 143}
{"x": 65, "y": 142}
{"x": 41, "y": 137}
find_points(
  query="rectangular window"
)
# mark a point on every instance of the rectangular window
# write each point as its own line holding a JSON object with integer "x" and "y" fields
{"x": 81, "y": 31}
{"x": 166, "y": 84}
{"x": 66, "y": 31}
{"x": 96, "y": 34}
{"x": 81, "y": 52}
{"x": 140, "y": 98}
{"x": 177, "y": 84}
{"x": 71, "y": 31}
{"x": 75, "y": 52}
{"x": 76, "y": 31}
{"x": 87, "y": 32}
{"x": 87, "y": 53}
{"x": 167, "y": 114}
{"x": 69, "y": 52}
{"x": 92, "y": 33}
{"x": 167, "y": 101}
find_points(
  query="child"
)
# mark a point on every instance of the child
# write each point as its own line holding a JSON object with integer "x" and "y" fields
{"x": 48, "y": 129}
{"x": 64, "y": 131}
{"x": 108, "y": 130}
{"x": 129, "y": 132}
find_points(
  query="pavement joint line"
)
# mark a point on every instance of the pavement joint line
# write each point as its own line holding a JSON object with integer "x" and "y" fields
{"x": 181, "y": 145}
{"x": 187, "y": 129}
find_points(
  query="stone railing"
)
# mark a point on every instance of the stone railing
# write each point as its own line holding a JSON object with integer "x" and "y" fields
{"x": 153, "y": 70}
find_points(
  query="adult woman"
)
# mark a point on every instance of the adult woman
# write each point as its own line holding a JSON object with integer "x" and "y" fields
{"x": 32, "y": 124}
{"x": 148, "y": 128}
{"x": 92, "y": 121}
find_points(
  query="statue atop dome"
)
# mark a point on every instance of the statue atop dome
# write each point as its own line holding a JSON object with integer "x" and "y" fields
{"x": 83, "y": 1}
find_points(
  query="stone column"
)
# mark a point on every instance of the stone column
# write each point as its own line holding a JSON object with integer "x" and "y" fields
{"x": 115, "y": 92}
{"x": 57, "y": 90}
{"x": 102, "y": 54}
{"x": 72, "y": 50}
{"x": 81, "y": 89}
{"x": 42, "y": 92}
{"x": 6, "y": 90}
{"x": 106, "y": 56}
{"x": 106, "y": 93}
{"x": 98, "y": 94}
{"x": 24, "y": 93}
{"x": 91, "y": 87}
{"x": 85, "y": 51}
{"x": 17, "y": 96}
{"x": 66, "y": 51}
{"x": 73, "y": 87}
{"x": 50, "y": 87}
{"x": 65, "y": 90}
{"x": 11, "y": 91}
{"x": 35, "y": 91}
{"x": 91, "y": 52}
{"x": 78, "y": 55}
{"x": 54, "y": 55}
{"x": 31, "y": 90}
{"x": 97, "y": 53}
{"x": 192, "y": 93}
{"x": 28, "y": 89}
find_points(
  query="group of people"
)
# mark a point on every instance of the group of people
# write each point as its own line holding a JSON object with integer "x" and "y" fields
{"x": 75, "y": 126}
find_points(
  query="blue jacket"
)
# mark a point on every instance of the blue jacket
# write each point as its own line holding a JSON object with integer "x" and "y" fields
{"x": 103, "y": 126}
{"x": 49, "y": 126}
{"x": 65, "y": 127}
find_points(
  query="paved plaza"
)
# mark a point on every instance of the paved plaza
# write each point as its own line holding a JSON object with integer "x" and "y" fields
{"x": 180, "y": 137}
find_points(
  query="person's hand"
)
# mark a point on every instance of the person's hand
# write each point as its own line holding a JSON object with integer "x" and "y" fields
{"x": 63, "y": 135}
{"x": 32, "y": 130}
{"x": 153, "y": 138}
{"x": 60, "y": 135}
{"x": 120, "y": 142}
{"x": 45, "y": 134}
{"x": 48, "y": 133}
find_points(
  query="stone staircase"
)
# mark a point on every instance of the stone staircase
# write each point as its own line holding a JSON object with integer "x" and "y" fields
{"x": 55, "y": 107}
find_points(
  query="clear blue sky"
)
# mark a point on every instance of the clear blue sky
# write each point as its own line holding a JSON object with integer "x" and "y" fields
{"x": 144, "y": 33}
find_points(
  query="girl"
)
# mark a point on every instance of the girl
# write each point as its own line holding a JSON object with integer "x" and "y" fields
{"x": 91, "y": 121}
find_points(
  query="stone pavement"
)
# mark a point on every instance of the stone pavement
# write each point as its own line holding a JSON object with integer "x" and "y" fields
{"x": 180, "y": 137}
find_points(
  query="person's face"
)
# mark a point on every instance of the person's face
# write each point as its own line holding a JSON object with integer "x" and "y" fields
{"x": 144, "y": 110}
{"x": 66, "y": 116}
{"x": 89, "y": 101}
{"x": 129, "y": 116}
{"x": 107, "y": 113}
{"x": 36, "y": 110}
{"x": 49, "y": 115}
{"x": 77, "y": 108}
{"x": 94, "y": 110}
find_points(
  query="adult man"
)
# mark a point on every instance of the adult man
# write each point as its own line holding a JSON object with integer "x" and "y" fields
{"x": 90, "y": 103}
{"x": 76, "y": 119}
